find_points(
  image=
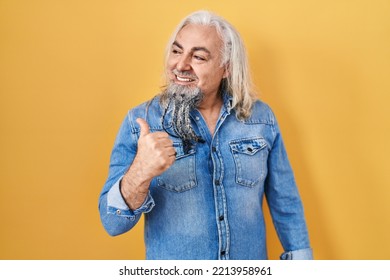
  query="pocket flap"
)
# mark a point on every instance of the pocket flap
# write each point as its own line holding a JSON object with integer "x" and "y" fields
{"x": 180, "y": 150}
{"x": 248, "y": 146}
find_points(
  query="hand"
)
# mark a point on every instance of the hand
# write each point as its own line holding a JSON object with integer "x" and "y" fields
{"x": 155, "y": 155}
{"x": 155, "y": 151}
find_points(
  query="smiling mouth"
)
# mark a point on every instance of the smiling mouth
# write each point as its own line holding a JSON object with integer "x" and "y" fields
{"x": 184, "y": 79}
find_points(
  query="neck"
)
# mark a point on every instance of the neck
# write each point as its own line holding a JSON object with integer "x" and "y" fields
{"x": 210, "y": 109}
{"x": 211, "y": 103}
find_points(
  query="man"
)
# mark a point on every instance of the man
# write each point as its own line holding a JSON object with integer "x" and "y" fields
{"x": 198, "y": 159}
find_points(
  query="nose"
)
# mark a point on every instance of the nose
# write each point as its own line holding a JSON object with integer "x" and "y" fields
{"x": 183, "y": 63}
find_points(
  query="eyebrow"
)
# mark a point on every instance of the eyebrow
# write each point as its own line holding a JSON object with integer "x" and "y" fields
{"x": 175, "y": 43}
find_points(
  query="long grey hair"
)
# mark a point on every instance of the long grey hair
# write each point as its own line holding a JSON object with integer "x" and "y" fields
{"x": 234, "y": 57}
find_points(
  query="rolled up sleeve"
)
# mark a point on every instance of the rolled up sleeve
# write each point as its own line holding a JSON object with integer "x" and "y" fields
{"x": 302, "y": 254}
{"x": 117, "y": 205}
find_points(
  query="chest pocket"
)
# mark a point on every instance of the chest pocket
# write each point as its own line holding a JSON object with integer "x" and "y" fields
{"x": 180, "y": 176}
{"x": 250, "y": 160}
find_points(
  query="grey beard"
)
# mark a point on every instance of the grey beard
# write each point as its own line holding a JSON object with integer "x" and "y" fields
{"x": 182, "y": 99}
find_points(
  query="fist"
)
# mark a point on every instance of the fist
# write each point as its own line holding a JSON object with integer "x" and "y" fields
{"x": 155, "y": 151}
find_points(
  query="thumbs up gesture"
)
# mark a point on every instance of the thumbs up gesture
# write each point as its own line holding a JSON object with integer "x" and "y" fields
{"x": 155, "y": 154}
{"x": 155, "y": 151}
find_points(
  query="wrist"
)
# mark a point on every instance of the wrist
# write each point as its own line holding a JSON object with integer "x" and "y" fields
{"x": 133, "y": 190}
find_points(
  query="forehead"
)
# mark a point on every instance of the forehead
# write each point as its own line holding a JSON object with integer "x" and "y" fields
{"x": 194, "y": 35}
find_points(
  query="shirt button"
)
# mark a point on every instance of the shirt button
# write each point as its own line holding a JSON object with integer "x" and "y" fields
{"x": 118, "y": 212}
{"x": 214, "y": 149}
{"x": 221, "y": 218}
{"x": 197, "y": 118}
{"x": 223, "y": 253}
{"x": 216, "y": 182}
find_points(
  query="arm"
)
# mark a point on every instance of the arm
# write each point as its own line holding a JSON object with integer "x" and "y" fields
{"x": 285, "y": 203}
{"x": 134, "y": 163}
{"x": 155, "y": 155}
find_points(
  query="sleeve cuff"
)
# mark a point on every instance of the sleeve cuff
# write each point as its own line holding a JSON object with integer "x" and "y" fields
{"x": 302, "y": 254}
{"x": 117, "y": 205}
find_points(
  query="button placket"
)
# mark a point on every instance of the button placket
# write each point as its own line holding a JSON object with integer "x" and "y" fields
{"x": 219, "y": 191}
{"x": 220, "y": 200}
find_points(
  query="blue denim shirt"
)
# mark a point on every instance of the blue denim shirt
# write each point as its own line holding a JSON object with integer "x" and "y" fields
{"x": 209, "y": 203}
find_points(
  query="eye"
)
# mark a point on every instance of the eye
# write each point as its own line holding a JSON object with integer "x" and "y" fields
{"x": 176, "y": 51}
{"x": 200, "y": 58}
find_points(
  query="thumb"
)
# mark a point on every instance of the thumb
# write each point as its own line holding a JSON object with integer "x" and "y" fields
{"x": 144, "y": 127}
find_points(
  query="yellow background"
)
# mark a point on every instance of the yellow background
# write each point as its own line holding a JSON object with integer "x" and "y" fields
{"x": 70, "y": 70}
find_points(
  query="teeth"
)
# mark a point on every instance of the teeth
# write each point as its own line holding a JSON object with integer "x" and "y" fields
{"x": 183, "y": 79}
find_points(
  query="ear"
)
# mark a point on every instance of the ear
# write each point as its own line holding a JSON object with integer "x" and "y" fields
{"x": 226, "y": 72}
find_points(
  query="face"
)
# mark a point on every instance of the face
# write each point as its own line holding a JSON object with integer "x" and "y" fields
{"x": 195, "y": 59}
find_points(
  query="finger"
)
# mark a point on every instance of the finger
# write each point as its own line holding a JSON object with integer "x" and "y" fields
{"x": 161, "y": 135}
{"x": 165, "y": 142}
{"x": 171, "y": 152}
{"x": 143, "y": 126}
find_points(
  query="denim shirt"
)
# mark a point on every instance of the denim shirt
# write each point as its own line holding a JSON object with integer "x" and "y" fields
{"x": 209, "y": 203}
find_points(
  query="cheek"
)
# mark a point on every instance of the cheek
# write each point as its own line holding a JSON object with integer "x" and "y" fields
{"x": 168, "y": 70}
{"x": 212, "y": 79}
{"x": 171, "y": 64}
